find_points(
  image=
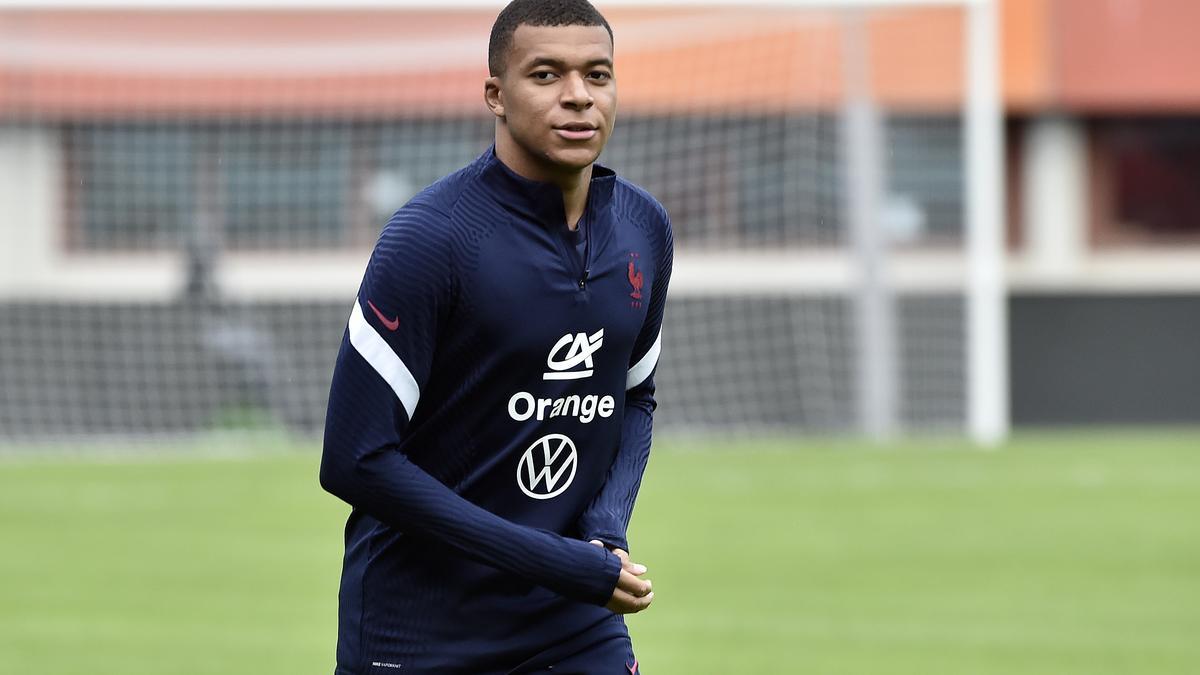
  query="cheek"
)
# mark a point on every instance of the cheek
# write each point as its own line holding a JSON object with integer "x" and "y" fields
{"x": 527, "y": 110}
{"x": 609, "y": 108}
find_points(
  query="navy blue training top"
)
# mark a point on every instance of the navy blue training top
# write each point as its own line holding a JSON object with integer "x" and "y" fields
{"x": 490, "y": 413}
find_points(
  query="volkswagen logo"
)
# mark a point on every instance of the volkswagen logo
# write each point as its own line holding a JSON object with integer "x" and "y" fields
{"x": 547, "y": 468}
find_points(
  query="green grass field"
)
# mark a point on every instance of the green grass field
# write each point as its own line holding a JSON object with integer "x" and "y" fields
{"x": 1060, "y": 554}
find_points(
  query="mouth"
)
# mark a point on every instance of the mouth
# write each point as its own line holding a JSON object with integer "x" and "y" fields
{"x": 576, "y": 131}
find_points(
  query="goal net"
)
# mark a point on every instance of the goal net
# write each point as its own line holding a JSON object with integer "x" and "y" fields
{"x": 190, "y": 197}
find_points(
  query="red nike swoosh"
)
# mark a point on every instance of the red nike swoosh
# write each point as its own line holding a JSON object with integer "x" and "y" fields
{"x": 633, "y": 668}
{"x": 390, "y": 324}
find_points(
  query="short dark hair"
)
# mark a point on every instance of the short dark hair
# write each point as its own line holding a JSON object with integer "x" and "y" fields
{"x": 537, "y": 13}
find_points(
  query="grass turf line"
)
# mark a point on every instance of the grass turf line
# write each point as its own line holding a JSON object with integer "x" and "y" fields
{"x": 1064, "y": 554}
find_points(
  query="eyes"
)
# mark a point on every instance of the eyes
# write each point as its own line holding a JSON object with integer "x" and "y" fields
{"x": 594, "y": 76}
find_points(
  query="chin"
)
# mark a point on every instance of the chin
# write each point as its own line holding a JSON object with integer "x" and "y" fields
{"x": 573, "y": 158}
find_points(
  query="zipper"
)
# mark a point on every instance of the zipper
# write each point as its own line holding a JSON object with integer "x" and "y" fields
{"x": 571, "y": 254}
{"x": 585, "y": 230}
{"x": 587, "y": 266}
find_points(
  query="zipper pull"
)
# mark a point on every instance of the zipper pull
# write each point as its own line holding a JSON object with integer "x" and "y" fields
{"x": 584, "y": 279}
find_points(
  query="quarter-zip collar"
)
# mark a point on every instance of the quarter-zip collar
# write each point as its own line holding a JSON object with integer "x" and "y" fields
{"x": 539, "y": 200}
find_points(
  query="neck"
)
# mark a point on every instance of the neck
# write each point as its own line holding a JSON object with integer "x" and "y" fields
{"x": 575, "y": 199}
{"x": 573, "y": 182}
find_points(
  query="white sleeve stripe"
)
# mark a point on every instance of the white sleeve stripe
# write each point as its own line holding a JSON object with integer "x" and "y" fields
{"x": 376, "y": 351}
{"x": 642, "y": 369}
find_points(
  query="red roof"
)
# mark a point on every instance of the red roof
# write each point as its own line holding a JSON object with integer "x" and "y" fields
{"x": 371, "y": 62}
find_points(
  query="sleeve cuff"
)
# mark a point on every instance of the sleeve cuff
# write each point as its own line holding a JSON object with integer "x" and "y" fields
{"x": 612, "y": 567}
{"x": 611, "y": 540}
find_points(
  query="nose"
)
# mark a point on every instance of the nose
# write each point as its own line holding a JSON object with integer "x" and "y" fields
{"x": 575, "y": 94}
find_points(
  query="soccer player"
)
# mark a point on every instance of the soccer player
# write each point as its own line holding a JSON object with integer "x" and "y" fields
{"x": 490, "y": 414}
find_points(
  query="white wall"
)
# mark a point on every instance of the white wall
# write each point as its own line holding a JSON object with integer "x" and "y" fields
{"x": 30, "y": 183}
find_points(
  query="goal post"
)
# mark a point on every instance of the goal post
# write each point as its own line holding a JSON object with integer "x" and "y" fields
{"x": 987, "y": 298}
{"x": 184, "y": 183}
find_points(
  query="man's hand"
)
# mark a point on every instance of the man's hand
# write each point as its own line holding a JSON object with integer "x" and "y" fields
{"x": 632, "y": 593}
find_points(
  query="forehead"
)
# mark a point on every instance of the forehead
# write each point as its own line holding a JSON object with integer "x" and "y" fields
{"x": 569, "y": 44}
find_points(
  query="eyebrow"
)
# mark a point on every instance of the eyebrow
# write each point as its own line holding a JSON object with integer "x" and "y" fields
{"x": 559, "y": 63}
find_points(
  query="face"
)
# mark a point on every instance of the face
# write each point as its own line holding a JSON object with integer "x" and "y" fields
{"x": 557, "y": 100}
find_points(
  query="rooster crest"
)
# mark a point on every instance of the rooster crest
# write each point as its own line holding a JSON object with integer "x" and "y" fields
{"x": 636, "y": 280}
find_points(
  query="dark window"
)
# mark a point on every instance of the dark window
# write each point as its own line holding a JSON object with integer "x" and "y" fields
{"x": 728, "y": 181}
{"x": 282, "y": 186}
{"x": 925, "y": 198}
{"x": 737, "y": 181}
{"x": 1146, "y": 180}
{"x": 132, "y": 185}
{"x": 250, "y": 185}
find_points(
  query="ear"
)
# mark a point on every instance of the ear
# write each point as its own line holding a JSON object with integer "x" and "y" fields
{"x": 493, "y": 96}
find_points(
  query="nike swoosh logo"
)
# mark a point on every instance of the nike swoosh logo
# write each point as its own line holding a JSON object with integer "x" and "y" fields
{"x": 390, "y": 324}
{"x": 632, "y": 669}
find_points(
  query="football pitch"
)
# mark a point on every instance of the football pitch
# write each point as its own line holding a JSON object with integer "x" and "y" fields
{"x": 1060, "y": 554}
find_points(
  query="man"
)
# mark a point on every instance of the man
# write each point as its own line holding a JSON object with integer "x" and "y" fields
{"x": 490, "y": 413}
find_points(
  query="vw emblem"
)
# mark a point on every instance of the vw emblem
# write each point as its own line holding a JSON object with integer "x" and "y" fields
{"x": 547, "y": 468}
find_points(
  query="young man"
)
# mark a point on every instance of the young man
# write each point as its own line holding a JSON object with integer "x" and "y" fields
{"x": 490, "y": 413}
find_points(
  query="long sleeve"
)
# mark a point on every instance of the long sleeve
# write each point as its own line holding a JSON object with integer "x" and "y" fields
{"x": 607, "y": 517}
{"x": 384, "y": 363}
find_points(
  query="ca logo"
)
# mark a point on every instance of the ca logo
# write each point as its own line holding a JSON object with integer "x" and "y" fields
{"x": 582, "y": 346}
{"x": 547, "y": 468}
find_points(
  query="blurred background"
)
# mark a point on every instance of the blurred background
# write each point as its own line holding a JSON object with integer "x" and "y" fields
{"x": 930, "y": 384}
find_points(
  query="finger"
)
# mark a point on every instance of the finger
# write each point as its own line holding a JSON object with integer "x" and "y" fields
{"x": 597, "y": 542}
{"x": 631, "y": 605}
{"x": 633, "y": 585}
{"x": 624, "y": 603}
{"x": 622, "y": 554}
